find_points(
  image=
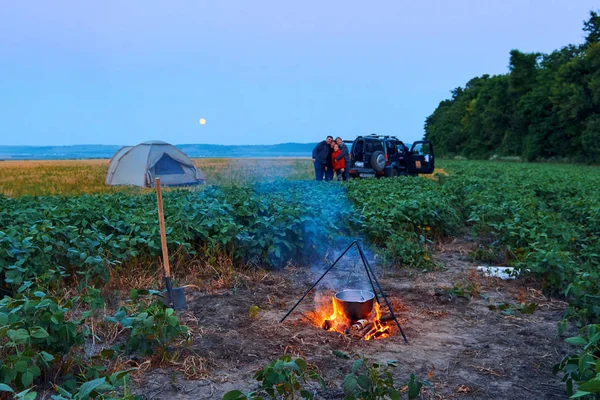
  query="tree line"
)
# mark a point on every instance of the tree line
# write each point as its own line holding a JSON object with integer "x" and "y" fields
{"x": 546, "y": 107}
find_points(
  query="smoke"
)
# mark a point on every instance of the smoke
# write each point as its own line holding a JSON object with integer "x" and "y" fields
{"x": 348, "y": 273}
{"x": 250, "y": 170}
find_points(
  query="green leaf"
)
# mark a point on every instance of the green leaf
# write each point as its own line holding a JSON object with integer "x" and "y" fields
{"x": 63, "y": 392}
{"x": 394, "y": 394}
{"x": 357, "y": 364}
{"x": 5, "y": 388}
{"x": 30, "y": 396}
{"x": 306, "y": 394}
{"x": 18, "y": 336}
{"x": 340, "y": 354}
{"x": 579, "y": 394}
{"x": 26, "y": 395}
{"x": 39, "y": 294}
{"x": 414, "y": 387}
{"x": 119, "y": 375}
{"x": 291, "y": 365}
{"x": 47, "y": 357}
{"x": 301, "y": 363}
{"x": 21, "y": 366}
{"x": 562, "y": 327}
{"x": 39, "y": 333}
{"x": 364, "y": 382}
{"x": 591, "y": 386}
{"x": 234, "y": 395}
{"x": 27, "y": 379}
{"x": 88, "y": 387}
{"x": 577, "y": 340}
{"x": 529, "y": 308}
{"x": 350, "y": 384}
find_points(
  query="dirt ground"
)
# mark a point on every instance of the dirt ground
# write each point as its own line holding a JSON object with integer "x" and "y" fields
{"x": 468, "y": 350}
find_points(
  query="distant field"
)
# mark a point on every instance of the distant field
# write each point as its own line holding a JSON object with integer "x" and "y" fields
{"x": 75, "y": 177}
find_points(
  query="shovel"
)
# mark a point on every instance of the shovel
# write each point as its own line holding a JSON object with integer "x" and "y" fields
{"x": 173, "y": 297}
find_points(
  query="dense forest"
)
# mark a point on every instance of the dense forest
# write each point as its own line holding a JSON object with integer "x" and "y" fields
{"x": 547, "y": 107}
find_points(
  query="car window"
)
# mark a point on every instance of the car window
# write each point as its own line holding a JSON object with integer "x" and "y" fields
{"x": 358, "y": 148}
{"x": 421, "y": 149}
{"x": 372, "y": 146}
{"x": 390, "y": 147}
{"x": 400, "y": 147}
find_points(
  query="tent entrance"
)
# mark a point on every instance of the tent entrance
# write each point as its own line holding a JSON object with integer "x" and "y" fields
{"x": 167, "y": 166}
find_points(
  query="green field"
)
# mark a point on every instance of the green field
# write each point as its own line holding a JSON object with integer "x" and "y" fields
{"x": 69, "y": 261}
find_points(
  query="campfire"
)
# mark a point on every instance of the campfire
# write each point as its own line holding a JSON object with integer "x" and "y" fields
{"x": 354, "y": 315}
{"x": 355, "y": 312}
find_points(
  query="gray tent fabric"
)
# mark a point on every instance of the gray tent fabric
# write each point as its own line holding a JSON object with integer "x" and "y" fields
{"x": 140, "y": 165}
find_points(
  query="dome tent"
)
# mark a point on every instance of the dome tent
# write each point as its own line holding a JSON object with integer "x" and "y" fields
{"x": 140, "y": 165}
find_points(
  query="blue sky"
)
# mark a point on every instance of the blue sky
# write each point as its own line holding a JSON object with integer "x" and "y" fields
{"x": 259, "y": 72}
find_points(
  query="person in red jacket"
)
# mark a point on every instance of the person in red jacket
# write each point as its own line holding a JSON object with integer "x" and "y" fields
{"x": 339, "y": 166}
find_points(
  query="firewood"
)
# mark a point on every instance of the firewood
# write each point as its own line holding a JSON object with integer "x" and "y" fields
{"x": 365, "y": 330}
{"x": 386, "y": 318}
{"x": 381, "y": 333}
{"x": 326, "y": 325}
{"x": 358, "y": 325}
{"x": 370, "y": 332}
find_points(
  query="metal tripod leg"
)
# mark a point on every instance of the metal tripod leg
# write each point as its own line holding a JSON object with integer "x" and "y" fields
{"x": 318, "y": 280}
{"x": 368, "y": 266}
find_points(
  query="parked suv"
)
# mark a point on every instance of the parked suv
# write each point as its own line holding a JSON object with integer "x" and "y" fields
{"x": 378, "y": 155}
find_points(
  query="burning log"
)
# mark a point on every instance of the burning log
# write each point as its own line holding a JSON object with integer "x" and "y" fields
{"x": 333, "y": 324}
{"x": 363, "y": 332}
{"x": 371, "y": 329}
{"x": 386, "y": 318}
{"x": 358, "y": 325}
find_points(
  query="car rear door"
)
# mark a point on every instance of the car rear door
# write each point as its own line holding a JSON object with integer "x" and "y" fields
{"x": 420, "y": 158}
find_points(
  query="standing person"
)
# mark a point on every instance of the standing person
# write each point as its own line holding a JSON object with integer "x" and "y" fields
{"x": 345, "y": 155}
{"x": 338, "y": 165}
{"x": 320, "y": 154}
{"x": 329, "y": 170}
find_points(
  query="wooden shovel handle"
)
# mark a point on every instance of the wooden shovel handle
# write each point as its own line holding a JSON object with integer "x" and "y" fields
{"x": 163, "y": 233}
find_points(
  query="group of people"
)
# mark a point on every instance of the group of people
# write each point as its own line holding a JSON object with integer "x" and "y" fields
{"x": 329, "y": 157}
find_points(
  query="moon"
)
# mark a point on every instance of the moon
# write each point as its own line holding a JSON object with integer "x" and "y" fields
{"x": 202, "y": 121}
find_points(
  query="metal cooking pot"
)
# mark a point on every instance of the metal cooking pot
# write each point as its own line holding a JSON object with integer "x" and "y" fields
{"x": 355, "y": 304}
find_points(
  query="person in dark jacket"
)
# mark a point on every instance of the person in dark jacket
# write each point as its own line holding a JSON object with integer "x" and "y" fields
{"x": 329, "y": 167}
{"x": 321, "y": 155}
{"x": 345, "y": 155}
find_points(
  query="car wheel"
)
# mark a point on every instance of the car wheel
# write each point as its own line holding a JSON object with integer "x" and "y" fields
{"x": 378, "y": 161}
{"x": 394, "y": 173}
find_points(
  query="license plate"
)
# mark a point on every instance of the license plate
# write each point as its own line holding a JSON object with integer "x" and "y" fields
{"x": 367, "y": 175}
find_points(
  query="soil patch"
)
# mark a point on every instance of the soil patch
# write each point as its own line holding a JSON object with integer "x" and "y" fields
{"x": 467, "y": 349}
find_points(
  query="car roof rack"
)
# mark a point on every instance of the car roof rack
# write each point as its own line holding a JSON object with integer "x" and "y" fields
{"x": 376, "y": 136}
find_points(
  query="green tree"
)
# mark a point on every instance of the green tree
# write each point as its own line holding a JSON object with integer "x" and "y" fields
{"x": 545, "y": 107}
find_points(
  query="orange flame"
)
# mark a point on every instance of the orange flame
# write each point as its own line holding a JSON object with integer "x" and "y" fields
{"x": 380, "y": 331}
{"x": 338, "y": 322}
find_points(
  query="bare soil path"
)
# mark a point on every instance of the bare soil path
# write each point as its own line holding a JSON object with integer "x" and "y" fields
{"x": 468, "y": 350}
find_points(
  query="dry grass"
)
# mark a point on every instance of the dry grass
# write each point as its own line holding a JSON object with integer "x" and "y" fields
{"x": 76, "y": 177}
{"x": 436, "y": 173}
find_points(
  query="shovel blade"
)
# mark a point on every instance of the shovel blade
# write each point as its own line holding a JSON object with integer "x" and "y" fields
{"x": 175, "y": 299}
